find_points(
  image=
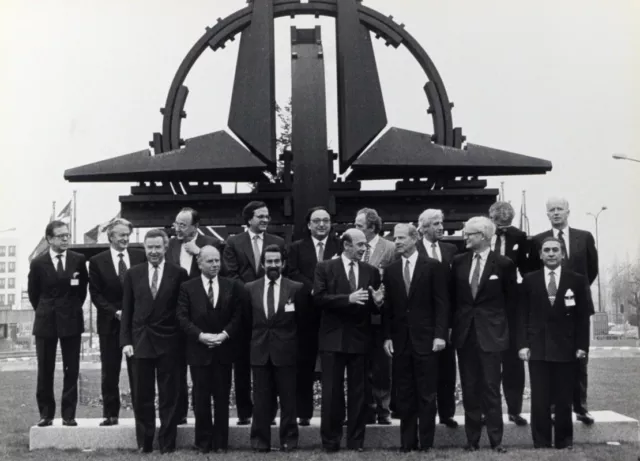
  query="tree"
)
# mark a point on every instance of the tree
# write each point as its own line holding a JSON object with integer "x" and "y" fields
{"x": 624, "y": 286}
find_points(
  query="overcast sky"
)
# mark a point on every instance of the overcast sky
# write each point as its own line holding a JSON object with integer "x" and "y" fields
{"x": 83, "y": 81}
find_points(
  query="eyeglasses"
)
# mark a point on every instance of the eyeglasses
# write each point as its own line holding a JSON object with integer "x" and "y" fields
{"x": 62, "y": 236}
{"x": 321, "y": 221}
{"x": 468, "y": 234}
{"x": 263, "y": 217}
{"x": 180, "y": 225}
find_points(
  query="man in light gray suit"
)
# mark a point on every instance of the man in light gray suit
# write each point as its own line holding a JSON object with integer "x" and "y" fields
{"x": 379, "y": 253}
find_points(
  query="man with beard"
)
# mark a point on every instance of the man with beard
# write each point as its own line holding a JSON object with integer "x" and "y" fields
{"x": 553, "y": 333}
{"x": 241, "y": 260}
{"x": 183, "y": 251}
{"x": 431, "y": 223}
{"x": 106, "y": 276}
{"x": 581, "y": 257}
{"x": 149, "y": 333}
{"x": 303, "y": 257}
{"x": 483, "y": 291}
{"x": 415, "y": 319}
{"x": 272, "y": 307}
{"x": 210, "y": 314}
{"x": 347, "y": 291}
{"x": 57, "y": 290}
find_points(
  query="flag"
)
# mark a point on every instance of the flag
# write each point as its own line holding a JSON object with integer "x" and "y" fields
{"x": 43, "y": 245}
{"x": 98, "y": 233}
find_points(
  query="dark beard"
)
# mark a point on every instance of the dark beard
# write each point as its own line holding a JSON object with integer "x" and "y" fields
{"x": 273, "y": 273}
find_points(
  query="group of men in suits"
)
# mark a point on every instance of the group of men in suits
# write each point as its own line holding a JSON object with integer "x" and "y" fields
{"x": 390, "y": 315}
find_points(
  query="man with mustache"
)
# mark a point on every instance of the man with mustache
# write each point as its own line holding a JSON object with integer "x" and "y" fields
{"x": 271, "y": 310}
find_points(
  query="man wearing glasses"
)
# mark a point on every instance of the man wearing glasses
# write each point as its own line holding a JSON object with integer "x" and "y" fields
{"x": 241, "y": 260}
{"x": 57, "y": 289}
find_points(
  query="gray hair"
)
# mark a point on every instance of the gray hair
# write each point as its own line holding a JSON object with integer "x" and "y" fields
{"x": 483, "y": 225}
{"x": 118, "y": 222}
{"x": 560, "y": 200}
{"x": 411, "y": 230}
{"x": 429, "y": 215}
{"x": 372, "y": 218}
{"x": 502, "y": 211}
{"x": 154, "y": 233}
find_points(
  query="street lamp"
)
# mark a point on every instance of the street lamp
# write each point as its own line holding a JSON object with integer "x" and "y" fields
{"x": 11, "y": 229}
{"x": 595, "y": 216}
{"x": 625, "y": 157}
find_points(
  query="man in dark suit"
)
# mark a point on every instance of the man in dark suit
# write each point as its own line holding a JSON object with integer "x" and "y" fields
{"x": 241, "y": 260}
{"x": 57, "y": 290}
{"x": 347, "y": 291}
{"x": 483, "y": 291}
{"x": 302, "y": 259}
{"x": 415, "y": 319}
{"x": 581, "y": 257}
{"x": 210, "y": 313}
{"x": 272, "y": 308}
{"x": 183, "y": 251}
{"x": 150, "y": 334}
{"x": 431, "y": 223}
{"x": 553, "y": 332}
{"x": 511, "y": 242}
{"x": 106, "y": 276}
{"x": 379, "y": 252}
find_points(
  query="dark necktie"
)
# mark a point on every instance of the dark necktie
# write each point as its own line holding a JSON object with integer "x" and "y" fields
{"x": 475, "y": 278}
{"x": 320, "y": 251}
{"x": 552, "y": 288}
{"x": 563, "y": 243}
{"x": 59, "y": 267}
{"x": 434, "y": 252}
{"x": 406, "y": 275}
{"x": 271, "y": 300}
{"x": 210, "y": 293}
{"x": 353, "y": 283}
{"x": 122, "y": 267}
{"x": 499, "y": 237}
{"x": 256, "y": 251}
{"x": 154, "y": 282}
{"x": 367, "y": 253}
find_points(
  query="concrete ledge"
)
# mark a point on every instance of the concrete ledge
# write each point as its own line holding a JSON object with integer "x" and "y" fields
{"x": 609, "y": 427}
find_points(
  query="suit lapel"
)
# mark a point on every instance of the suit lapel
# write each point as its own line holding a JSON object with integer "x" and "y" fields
{"x": 488, "y": 269}
{"x": 560, "y": 293}
{"x": 376, "y": 253}
{"x": 175, "y": 251}
{"x": 259, "y": 294}
{"x": 574, "y": 241}
{"x": 284, "y": 296}
{"x": 417, "y": 273}
{"x": 109, "y": 268}
{"x": 465, "y": 267}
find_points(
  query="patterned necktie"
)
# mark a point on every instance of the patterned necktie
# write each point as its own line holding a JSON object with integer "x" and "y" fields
{"x": 434, "y": 252}
{"x": 59, "y": 266}
{"x": 406, "y": 275}
{"x": 564, "y": 243}
{"x": 210, "y": 293}
{"x": 122, "y": 267}
{"x": 320, "y": 251}
{"x": 552, "y": 288}
{"x": 271, "y": 300}
{"x": 475, "y": 278}
{"x": 352, "y": 277}
{"x": 256, "y": 251}
{"x": 154, "y": 282}
{"x": 367, "y": 253}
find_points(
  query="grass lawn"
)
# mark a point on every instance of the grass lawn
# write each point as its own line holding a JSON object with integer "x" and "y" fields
{"x": 614, "y": 385}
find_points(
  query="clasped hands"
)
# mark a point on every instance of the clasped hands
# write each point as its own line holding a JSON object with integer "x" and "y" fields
{"x": 525, "y": 354}
{"x": 361, "y": 296}
{"x": 212, "y": 339}
{"x": 438, "y": 345}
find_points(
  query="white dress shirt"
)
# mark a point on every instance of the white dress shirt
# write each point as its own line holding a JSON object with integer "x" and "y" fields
{"x": 215, "y": 285}
{"x": 503, "y": 241}
{"x": 54, "y": 258}
{"x": 276, "y": 295}
{"x": 427, "y": 245}
{"x": 547, "y": 277}
{"x": 160, "y": 272}
{"x": 373, "y": 243}
{"x": 346, "y": 262}
{"x": 252, "y": 235}
{"x": 116, "y": 259}
{"x": 412, "y": 264}
{"x": 324, "y": 246}
{"x": 565, "y": 237}
{"x": 483, "y": 261}
{"x": 186, "y": 259}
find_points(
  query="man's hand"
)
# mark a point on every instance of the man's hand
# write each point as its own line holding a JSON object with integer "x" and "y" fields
{"x": 388, "y": 347}
{"x": 359, "y": 297}
{"x": 449, "y": 336}
{"x": 118, "y": 314}
{"x": 524, "y": 354}
{"x": 191, "y": 248}
{"x": 208, "y": 339}
{"x": 220, "y": 338}
{"x": 377, "y": 295}
{"x": 438, "y": 344}
{"x": 580, "y": 354}
{"x": 127, "y": 351}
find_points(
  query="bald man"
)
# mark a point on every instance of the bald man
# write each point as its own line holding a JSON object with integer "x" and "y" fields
{"x": 347, "y": 291}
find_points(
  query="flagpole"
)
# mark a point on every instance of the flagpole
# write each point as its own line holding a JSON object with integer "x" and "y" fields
{"x": 53, "y": 211}
{"x": 74, "y": 217}
{"x": 502, "y": 191}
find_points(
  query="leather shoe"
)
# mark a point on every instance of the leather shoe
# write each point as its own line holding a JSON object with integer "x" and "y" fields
{"x": 331, "y": 449}
{"x": 44, "y": 422}
{"x": 304, "y": 422}
{"x": 243, "y": 421}
{"x": 450, "y": 423}
{"x": 109, "y": 421}
{"x": 371, "y": 419}
{"x": 69, "y": 422}
{"x": 471, "y": 448}
{"x": 262, "y": 450}
{"x": 395, "y": 415}
{"x": 384, "y": 420}
{"x": 182, "y": 421}
{"x": 585, "y": 418}
{"x": 519, "y": 420}
{"x": 145, "y": 449}
{"x": 499, "y": 449}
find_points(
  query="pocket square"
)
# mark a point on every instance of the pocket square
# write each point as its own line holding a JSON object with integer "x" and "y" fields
{"x": 515, "y": 247}
{"x": 493, "y": 277}
{"x": 289, "y": 307}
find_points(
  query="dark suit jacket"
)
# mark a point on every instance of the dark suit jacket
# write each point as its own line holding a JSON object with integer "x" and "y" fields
{"x": 173, "y": 253}
{"x": 196, "y": 315}
{"x": 516, "y": 248}
{"x": 275, "y": 338}
{"x": 423, "y": 314}
{"x": 57, "y": 303}
{"x": 447, "y": 250}
{"x": 344, "y": 327}
{"x": 106, "y": 289}
{"x": 150, "y": 325}
{"x": 554, "y": 332}
{"x": 237, "y": 257}
{"x": 496, "y": 297}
